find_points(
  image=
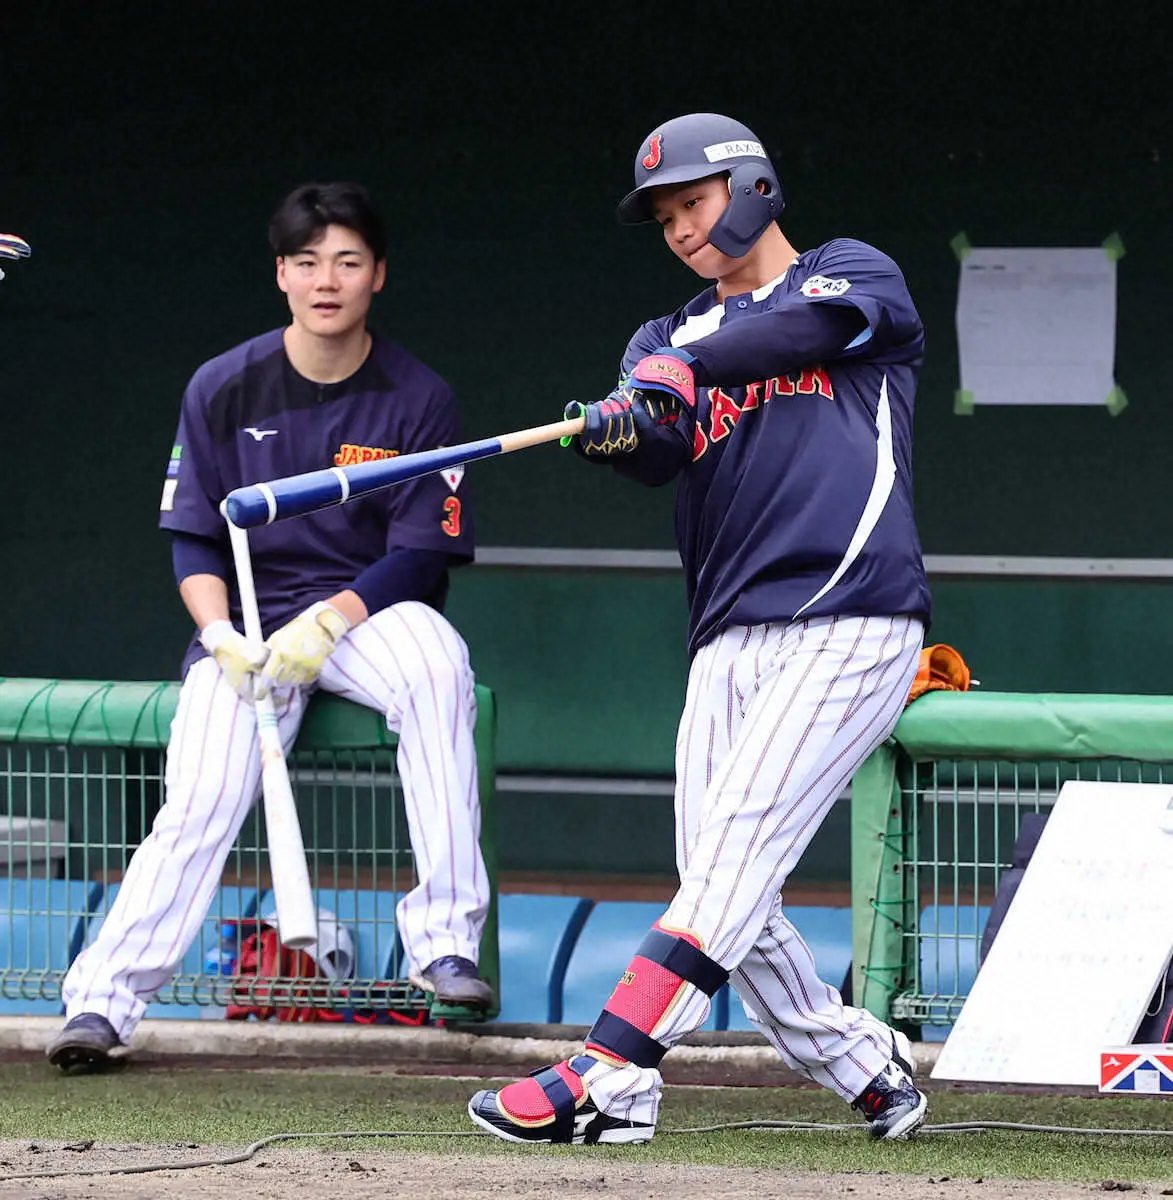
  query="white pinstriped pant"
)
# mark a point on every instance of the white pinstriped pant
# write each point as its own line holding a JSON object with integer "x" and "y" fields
{"x": 776, "y": 720}
{"x": 406, "y": 661}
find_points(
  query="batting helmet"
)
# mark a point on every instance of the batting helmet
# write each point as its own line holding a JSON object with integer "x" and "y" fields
{"x": 699, "y": 145}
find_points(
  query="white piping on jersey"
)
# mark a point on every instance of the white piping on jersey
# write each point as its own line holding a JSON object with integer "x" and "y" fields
{"x": 881, "y": 489}
{"x": 766, "y": 288}
{"x": 700, "y": 325}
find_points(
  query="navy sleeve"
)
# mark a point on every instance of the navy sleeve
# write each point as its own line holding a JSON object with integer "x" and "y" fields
{"x": 192, "y": 554}
{"x": 192, "y": 490}
{"x": 790, "y": 337}
{"x": 851, "y": 274}
{"x": 849, "y": 300}
{"x": 402, "y": 574}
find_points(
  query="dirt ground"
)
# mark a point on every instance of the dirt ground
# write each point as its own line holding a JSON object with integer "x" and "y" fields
{"x": 278, "y": 1173}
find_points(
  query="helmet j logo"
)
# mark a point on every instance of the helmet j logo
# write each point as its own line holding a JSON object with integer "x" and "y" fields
{"x": 651, "y": 160}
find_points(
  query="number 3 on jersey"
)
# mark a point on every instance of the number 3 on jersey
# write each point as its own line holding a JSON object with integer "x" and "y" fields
{"x": 451, "y": 523}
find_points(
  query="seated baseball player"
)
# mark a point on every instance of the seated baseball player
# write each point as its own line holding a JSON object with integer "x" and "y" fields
{"x": 351, "y": 600}
{"x": 779, "y": 400}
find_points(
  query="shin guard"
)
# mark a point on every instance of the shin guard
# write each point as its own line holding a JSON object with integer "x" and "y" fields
{"x": 665, "y": 964}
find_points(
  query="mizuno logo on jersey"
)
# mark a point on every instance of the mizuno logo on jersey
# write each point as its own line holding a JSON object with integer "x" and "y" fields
{"x": 725, "y": 411}
{"x": 349, "y": 454}
{"x": 259, "y": 435}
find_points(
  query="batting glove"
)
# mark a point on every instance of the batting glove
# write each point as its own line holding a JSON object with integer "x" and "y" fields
{"x": 299, "y": 649}
{"x": 239, "y": 658}
{"x": 610, "y": 424}
{"x": 13, "y": 247}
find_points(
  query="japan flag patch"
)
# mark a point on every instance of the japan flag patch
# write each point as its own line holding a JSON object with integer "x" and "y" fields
{"x": 819, "y": 286}
{"x": 453, "y": 476}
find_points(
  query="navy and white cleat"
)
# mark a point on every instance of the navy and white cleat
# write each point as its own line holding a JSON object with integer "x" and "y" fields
{"x": 454, "y": 980}
{"x": 552, "y": 1106}
{"x": 892, "y": 1104}
{"x": 84, "y": 1045}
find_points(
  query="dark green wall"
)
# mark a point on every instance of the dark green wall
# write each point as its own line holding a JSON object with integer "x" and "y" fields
{"x": 142, "y": 150}
{"x": 572, "y": 699}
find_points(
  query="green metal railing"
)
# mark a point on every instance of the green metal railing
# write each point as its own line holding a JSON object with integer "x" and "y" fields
{"x": 935, "y": 814}
{"x": 81, "y": 778}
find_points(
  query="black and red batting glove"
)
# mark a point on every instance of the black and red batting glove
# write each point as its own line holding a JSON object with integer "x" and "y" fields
{"x": 609, "y": 424}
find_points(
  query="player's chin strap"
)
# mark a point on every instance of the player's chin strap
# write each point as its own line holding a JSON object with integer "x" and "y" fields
{"x": 665, "y": 963}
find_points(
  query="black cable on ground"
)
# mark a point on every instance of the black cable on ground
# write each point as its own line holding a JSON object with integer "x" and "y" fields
{"x": 792, "y": 1126}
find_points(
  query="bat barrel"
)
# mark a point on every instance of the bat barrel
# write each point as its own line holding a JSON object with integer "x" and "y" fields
{"x": 295, "y": 495}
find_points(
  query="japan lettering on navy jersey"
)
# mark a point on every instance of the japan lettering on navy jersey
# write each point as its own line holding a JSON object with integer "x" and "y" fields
{"x": 248, "y": 416}
{"x": 797, "y": 501}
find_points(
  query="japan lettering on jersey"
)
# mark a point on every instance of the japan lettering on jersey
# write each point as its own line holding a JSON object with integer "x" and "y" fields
{"x": 248, "y": 416}
{"x": 798, "y": 499}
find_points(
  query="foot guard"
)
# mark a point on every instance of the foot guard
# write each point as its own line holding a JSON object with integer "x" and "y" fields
{"x": 553, "y": 1105}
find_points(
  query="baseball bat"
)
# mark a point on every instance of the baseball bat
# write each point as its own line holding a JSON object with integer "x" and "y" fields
{"x": 295, "y": 495}
{"x": 297, "y": 918}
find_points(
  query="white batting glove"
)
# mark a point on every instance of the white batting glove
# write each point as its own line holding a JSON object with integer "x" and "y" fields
{"x": 299, "y": 649}
{"x": 239, "y": 658}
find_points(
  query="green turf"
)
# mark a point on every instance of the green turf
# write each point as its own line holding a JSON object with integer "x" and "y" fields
{"x": 208, "y": 1106}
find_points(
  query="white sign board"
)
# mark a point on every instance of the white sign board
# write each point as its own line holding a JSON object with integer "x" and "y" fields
{"x": 1037, "y": 326}
{"x": 1083, "y": 947}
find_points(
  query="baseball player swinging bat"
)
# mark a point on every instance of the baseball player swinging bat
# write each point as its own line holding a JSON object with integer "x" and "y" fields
{"x": 263, "y": 503}
{"x": 297, "y": 921}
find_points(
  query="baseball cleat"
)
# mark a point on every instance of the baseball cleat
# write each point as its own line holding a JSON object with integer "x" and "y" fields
{"x": 453, "y": 980}
{"x": 84, "y": 1044}
{"x": 551, "y": 1106}
{"x": 892, "y": 1104}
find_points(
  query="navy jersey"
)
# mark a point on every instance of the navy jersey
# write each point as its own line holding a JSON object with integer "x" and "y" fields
{"x": 248, "y": 416}
{"x": 795, "y": 483}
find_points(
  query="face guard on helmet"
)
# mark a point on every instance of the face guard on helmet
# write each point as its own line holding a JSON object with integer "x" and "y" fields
{"x": 698, "y": 146}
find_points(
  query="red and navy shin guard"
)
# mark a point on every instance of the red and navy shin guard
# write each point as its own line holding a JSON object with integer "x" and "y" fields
{"x": 665, "y": 963}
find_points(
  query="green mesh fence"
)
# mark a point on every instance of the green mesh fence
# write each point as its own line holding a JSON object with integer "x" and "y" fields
{"x": 935, "y": 815}
{"x": 82, "y": 778}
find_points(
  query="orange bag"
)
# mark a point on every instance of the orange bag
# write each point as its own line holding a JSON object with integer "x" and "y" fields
{"x": 941, "y": 669}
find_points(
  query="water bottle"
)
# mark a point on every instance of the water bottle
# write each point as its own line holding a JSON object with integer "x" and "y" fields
{"x": 220, "y": 960}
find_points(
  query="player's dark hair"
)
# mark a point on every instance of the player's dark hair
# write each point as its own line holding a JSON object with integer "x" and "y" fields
{"x": 306, "y": 212}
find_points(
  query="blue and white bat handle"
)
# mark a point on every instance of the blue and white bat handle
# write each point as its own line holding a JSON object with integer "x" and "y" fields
{"x": 295, "y": 495}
